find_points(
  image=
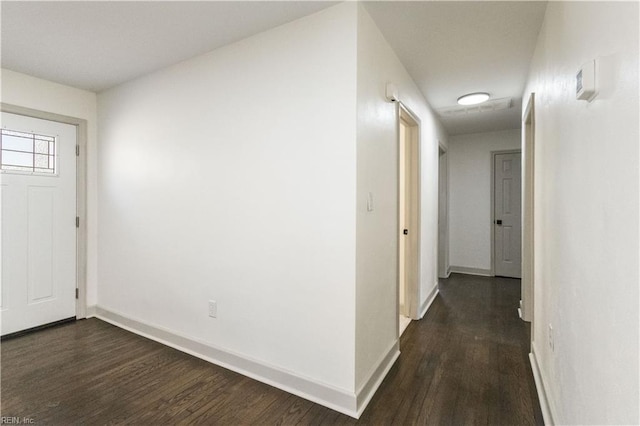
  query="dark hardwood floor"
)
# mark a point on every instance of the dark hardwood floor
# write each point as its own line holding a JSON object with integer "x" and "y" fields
{"x": 465, "y": 363}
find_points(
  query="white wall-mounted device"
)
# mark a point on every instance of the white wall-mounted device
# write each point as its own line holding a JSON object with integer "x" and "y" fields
{"x": 586, "y": 89}
{"x": 391, "y": 93}
{"x": 370, "y": 202}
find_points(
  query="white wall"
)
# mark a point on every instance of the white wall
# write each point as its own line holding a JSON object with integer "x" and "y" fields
{"x": 586, "y": 197}
{"x": 231, "y": 177}
{"x": 470, "y": 196}
{"x": 377, "y": 233}
{"x": 30, "y": 92}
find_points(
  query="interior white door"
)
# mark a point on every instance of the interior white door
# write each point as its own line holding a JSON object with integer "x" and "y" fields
{"x": 38, "y": 222}
{"x": 409, "y": 215}
{"x": 507, "y": 214}
{"x": 402, "y": 220}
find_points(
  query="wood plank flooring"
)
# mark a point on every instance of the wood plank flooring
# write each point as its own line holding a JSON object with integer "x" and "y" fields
{"x": 465, "y": 363}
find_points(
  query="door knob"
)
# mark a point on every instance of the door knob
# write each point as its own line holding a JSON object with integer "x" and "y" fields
{"x": 405, "y": 232}
{"x": 499, "y": 222}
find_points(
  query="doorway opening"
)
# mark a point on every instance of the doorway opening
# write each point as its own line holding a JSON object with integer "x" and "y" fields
{"x": 44, "y": 190}
{"x": 409, "y": 216}
{"x": 443, "y": 214}
{"x": 528, "y": 216}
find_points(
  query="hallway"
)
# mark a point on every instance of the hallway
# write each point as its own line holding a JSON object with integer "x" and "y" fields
{"x": 465, "y": 363}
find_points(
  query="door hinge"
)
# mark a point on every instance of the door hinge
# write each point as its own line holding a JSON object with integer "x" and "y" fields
{"x": 77, "y": 150}
{"x": 77, "y": 292}
{"x": 77, "y": 222}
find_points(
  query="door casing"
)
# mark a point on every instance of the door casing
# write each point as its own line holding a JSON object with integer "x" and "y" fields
{"x": 528, "y": 212}
{"x": 443, "y": 213}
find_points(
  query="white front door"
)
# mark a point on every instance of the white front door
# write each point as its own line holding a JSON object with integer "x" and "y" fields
{"x": 507, "y": 226}
{"x": 38, "y": 222}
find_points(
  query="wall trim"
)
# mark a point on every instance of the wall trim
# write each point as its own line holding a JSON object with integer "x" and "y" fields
{"x": 446, "y": 274}
{"x": 471, "y": 271}
{"x": 429, "y": 300}
{"x": 528, "y": 209}
{"x": 548, "y": 413}
{"x": 371, "y": 385}
{"x": 91, "y": 311}
{"x": 324, "y": 394}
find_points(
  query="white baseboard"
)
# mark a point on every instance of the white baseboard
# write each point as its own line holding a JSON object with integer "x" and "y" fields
{"x": 429, "y": 300}
{"x": 91, "y": 311}
{"x": 377, "y": 375}
{"x": 471, "y": 271}
{"x": 332, "y": 397}
{"x": 548, "y": 413}
{"x": 446, "y": 274}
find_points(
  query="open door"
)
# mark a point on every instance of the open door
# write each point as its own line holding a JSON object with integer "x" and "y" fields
{"x": 409, "y": 217}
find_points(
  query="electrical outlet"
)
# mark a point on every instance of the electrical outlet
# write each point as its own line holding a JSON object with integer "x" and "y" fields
{"x": 213, "y": 309}
{"x": 551, "y": 340}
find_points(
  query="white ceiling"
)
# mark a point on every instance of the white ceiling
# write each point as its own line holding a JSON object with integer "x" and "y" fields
{"x": 95, "y": 45}
{"x": 449, "y": 48}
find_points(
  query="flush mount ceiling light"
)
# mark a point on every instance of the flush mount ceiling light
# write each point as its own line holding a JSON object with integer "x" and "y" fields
{"x": 473, "y": 98}
{"x": 488, "y": 106}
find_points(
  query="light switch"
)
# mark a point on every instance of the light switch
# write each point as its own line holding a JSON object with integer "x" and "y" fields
{"x": 370, "y": 202}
